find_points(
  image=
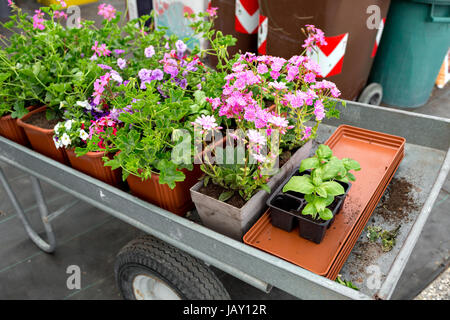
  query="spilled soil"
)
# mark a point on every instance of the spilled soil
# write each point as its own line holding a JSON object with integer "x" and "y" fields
{"x": 397, "y": 202}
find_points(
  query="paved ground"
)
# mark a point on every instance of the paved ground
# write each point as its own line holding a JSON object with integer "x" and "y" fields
{"x": 90, "y": 239}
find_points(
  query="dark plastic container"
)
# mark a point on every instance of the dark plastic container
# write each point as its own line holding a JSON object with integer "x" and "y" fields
{"x": 285, "y": 211}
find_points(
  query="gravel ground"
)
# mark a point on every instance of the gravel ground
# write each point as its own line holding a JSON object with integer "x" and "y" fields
{"x": 439, "y": 289}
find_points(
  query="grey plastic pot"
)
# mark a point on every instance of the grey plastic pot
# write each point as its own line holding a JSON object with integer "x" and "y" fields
{"x": 235, "y": 222}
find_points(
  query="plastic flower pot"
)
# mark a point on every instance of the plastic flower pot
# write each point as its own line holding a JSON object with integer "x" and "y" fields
{"x": 177, "y": 200}
{"x": 93, "y": 165}
{"x": 10, "y": 130}
{"x": 235, "y": 222}
{"x": 41, "y": 140}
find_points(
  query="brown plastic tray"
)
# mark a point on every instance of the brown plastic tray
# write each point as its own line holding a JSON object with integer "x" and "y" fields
{"x": 376, "y": 157}
{"x": 345, "y": 252}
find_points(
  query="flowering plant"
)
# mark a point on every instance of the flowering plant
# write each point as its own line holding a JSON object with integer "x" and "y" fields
{"x": 298, "y": 98}
{"x": 70, "y": 133}
{"x": 149, "y": 104}
{"x": 321, "y": 186}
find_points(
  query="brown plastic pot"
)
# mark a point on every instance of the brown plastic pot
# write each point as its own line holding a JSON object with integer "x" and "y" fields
{"x": 379, "y": 161}
{"x": 92, "y": 164}
{"x": 41, "y": 140}
{"x": 10, "y": 130}
{"x": 235, "y": 222}
{"x": 177, "y": 200}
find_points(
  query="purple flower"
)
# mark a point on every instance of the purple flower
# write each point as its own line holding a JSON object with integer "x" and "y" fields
{"x": 122, "y": 63}
{"x": 157, "y": 75}
{"x": 118, "y": 52}
{"x": 104, "y": 66}
{"x": 149, "y": 52}
{"x": 181, "y": 47}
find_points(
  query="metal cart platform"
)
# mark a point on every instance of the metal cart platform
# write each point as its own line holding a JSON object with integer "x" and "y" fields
{"x": 426, "y": 164}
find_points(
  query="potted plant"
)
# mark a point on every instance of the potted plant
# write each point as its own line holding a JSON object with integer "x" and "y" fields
{"x": 57, "y": 66}
{"x": 314, "y": 194}
{"x": 154, "y": 109}
{"x": 298, "y": 100}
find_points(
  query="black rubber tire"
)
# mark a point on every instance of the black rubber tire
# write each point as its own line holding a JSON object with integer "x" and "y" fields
{"x": 189, "y": 277}
{"x": 372, "y": 94}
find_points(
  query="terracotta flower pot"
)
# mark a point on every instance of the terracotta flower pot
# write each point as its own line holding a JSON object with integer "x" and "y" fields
{"x": 10, "y": 130}
{"x": 41, "y": 140}
{"x": 93, "y": 165}
{"x": 177, "y": 200}
{"x": 235, "y": 222}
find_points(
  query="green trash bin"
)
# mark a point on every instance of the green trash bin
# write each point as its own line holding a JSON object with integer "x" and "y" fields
{"x": 415, "y": 41}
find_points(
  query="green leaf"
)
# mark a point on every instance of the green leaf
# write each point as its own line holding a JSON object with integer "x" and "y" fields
{"x": 309, "y": 209}
{"x": 200, "y": 97}
{"x": 4, "y": 76}
{"x": 169, "y": 174}
{"x": 320, "y": 203}
{"x": 351, "y": 176}
{"x": 324, "y": 152}
{"x": 300, "y": 184}
{"x": 326, "y": 214}
{"x": 309, "y": 163}
{"x": 351, "y": 164}
{"x": 333, "y": 188}
{"x": 321, "y": 191}
{"x": 226, "y": 195}
{"x": 332, "y": 169}
{"x": 266, "y": 188}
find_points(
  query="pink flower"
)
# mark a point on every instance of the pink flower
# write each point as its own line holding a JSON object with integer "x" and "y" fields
{"x": 262, "y": 68}
{"x": 307, "y": 133}
{"x": 212, "y": 11}
{"x": 309, "y": 77}
{"x": 59, "y": 14}
{"x": 278, "y": 121}
{"x": 315, "y": 38}
{"x": 274, "y": 74}
{"x": 100, "y": 50}
{"x": 107, "y": 11}
{"x": 319, "y": 110}
{"x": 62, "y": 3}
{"x": 38, "y": 21}
{"x": 206, "y": 123}
{"x": 277, "y": 85}
{"x": 215, "y": 103}
{"x": 10, "y": 3}
{"x": 255, "y": 137}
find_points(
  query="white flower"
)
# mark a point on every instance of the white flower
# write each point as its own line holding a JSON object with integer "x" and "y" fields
{"x": 56, "y": 128}
{"x": 116, "y": 77}
{"x": 68, "y": 124}
{"x": 85, "y": 104}
{"x": 83, "y": 135}
{"x": 65, "y": 140}
{"x": 58, "y": 143}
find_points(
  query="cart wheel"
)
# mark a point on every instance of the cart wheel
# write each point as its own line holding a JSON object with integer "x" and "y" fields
{"x": 372, "y": 94}
{"x": 150, "y": 269}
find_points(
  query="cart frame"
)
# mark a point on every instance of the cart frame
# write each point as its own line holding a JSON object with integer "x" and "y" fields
{"x": 251, "y": 265}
